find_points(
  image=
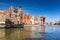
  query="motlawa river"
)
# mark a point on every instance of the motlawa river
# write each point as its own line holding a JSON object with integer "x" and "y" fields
{"x": 31, "y": 33}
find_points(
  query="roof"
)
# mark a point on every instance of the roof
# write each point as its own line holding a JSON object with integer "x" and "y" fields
{"x": 2, "y": 11}
{"x": 42, "y": 17}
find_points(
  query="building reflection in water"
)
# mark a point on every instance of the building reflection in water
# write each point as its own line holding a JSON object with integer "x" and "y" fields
{"x": 22, "y": 33}
{"x": 2, "y": 34}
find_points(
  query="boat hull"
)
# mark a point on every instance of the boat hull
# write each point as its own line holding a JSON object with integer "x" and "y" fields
{"x": 9, "y": 24}
{"x": 15, "y": 26}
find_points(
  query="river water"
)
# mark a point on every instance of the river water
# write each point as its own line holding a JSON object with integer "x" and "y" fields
{"x": 31, "y": 33}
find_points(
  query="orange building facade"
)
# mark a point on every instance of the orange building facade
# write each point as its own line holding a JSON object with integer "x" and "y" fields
{"x": 17, "y": 16}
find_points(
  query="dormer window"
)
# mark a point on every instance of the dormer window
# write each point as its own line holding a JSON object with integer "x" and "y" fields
{"x": 15, "y": 10}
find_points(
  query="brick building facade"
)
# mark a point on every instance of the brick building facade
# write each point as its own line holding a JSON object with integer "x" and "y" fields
{"x": 17, "y": 16}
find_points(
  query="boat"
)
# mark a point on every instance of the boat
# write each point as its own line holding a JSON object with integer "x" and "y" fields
{"x": 9, "y": 24}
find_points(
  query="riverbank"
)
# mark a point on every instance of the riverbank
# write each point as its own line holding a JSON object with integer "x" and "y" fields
{"x": 2, "y": 26}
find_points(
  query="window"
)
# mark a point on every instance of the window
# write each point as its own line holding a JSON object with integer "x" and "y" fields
{"x": 15, "y": 15}
{"x": 19, "y": 15}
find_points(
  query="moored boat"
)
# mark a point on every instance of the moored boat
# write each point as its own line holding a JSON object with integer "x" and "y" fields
{"x": 9, "y": 24}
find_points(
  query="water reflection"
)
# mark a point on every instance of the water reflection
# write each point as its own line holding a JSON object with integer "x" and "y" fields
{"x": 26, "y": 33}
{"x": 2, "y": 34}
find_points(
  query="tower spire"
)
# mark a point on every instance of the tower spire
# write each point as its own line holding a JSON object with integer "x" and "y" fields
{"x": 11, "y": 7}
{"x": 20, "y": 8}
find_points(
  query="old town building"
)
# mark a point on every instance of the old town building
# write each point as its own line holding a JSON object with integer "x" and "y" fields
{"x": 2, "y": 16}
{"x": 32, "y": 20}
{"x": 36, "y": 20}
{"x": 17, "y": 16}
